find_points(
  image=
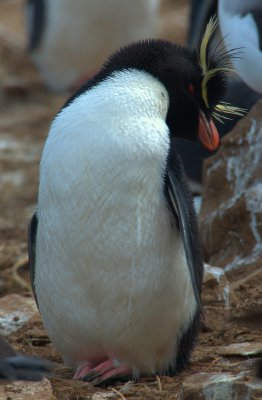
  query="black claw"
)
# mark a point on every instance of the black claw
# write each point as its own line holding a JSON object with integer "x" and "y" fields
{"x": 98, "y": 382}
{"x": 91, "y": 376}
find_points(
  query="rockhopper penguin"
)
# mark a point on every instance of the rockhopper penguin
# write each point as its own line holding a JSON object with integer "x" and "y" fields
{"x": 114, "y": 252}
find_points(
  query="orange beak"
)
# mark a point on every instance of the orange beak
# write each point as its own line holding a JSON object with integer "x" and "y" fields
{"x": 207, "y": 133}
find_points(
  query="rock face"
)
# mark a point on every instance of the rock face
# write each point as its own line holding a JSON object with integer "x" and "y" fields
{"x": 27, "y": 391}
{"x": 215, "y": 287}
{"x": 216, "y": 297}
{"x": 231, "y": 214}
{"x": 15, "y": 312}
{"x": 226, "y": 386}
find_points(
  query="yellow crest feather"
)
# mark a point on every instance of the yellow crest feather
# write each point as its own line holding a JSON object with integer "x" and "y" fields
{"x": 210, "y": 30}
{"x": 208, "y": 75}
{"x": 226, "y": 108}
{"x": 209, "y": 71}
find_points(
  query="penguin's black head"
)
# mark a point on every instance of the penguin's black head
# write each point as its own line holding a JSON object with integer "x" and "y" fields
{"x": 194, "y": 80}
{"x": 179, "y": 71}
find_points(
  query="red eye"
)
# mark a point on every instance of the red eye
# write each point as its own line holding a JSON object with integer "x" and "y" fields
{"x": 191, "y": 89}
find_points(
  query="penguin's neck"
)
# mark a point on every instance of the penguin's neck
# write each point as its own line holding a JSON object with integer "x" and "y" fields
{"x": 127, "y": 93}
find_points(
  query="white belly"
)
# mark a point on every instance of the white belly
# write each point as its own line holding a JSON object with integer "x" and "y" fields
{"x": 111, "y": 275}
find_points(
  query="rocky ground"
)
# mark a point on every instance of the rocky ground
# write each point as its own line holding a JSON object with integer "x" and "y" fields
{"x": 230, "y": 342}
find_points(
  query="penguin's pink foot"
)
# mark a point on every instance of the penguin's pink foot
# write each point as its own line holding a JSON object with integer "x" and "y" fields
{"x": 106, "y": 372}
{"x": 83, "y": 370}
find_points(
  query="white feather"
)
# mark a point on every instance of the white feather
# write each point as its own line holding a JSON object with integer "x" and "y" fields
{"x": 111, "y": 274}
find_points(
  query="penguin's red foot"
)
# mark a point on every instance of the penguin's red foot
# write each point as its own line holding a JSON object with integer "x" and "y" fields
{"x": 102, "y": 373}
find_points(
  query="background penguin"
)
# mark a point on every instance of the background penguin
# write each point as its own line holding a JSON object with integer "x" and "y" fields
{"x": 241, "y": 26}
{"x": 69, "y": 39}
{"x": 14, "y": 366}
{"x": 114, "y": 251}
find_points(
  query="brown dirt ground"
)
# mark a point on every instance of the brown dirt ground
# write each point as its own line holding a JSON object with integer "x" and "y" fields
{"x": 27, "y": 109}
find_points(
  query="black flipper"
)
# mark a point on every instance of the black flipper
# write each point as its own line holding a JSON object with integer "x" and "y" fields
{"x": 32, "y": 231}
{"x": 35, "y": 16}
{"x": 181, "y": 202}
{"x": 16, "y": 367}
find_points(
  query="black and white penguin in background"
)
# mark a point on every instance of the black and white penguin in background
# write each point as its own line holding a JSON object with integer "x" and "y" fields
{"x": 68, "y": 40}
{"x": 15, "y": 366}
{"x": 241, "y": 27}
{"x": 115, "y": 257}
